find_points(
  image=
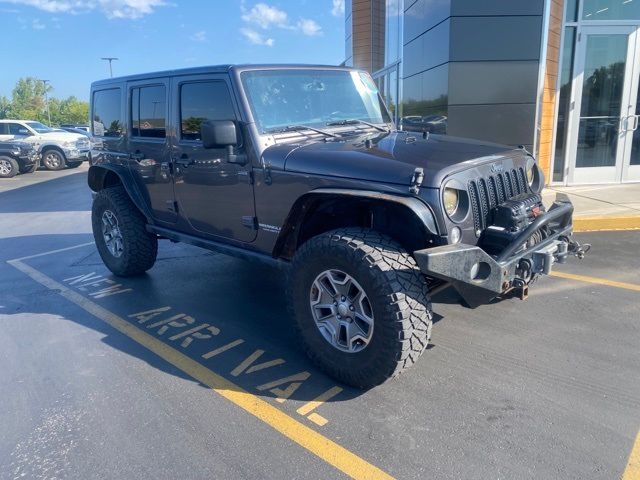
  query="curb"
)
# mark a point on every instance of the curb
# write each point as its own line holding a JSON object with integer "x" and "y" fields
{"x": 606, "y": 223}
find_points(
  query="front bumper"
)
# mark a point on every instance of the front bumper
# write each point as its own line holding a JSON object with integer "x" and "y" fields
{"x": 479, "y": 277}
{"x": 76, "y": 155}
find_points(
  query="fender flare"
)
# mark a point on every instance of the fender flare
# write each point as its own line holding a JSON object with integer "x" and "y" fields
{"x": 290, "y": 229}
{"x": 96, "y": 181}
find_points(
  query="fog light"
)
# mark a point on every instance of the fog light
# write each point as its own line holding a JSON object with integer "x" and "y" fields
{"x": 455, "y": 235}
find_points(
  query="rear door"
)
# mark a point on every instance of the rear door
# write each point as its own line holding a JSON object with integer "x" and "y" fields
{"x": 215, "y": 197}
{"x": 148, "y": 145}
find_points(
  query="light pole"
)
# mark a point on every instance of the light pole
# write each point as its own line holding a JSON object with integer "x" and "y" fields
{"x": 46, "y": 99}
{"x": 110, "y": 60}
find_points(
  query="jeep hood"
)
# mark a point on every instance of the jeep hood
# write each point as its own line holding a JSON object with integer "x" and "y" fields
{"x": 387, "y": 157}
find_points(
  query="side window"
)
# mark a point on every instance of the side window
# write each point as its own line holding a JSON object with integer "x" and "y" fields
{"x": 148, "y": 111}
{"x": 17, "y": 129}
{"x": 107, "y": 113}
{"x": 203, "y": 101}
{"x": 4, "y": 129}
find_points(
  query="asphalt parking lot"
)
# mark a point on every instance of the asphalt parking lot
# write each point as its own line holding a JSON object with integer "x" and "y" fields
{"x": 193, "y": 370}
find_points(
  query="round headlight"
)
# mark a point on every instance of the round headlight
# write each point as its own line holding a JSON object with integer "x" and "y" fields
{"x": 531, "y": 165}
{"x": 451, "y": 201}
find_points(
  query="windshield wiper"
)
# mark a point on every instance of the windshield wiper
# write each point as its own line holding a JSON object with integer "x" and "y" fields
{"x": 355, "y": 121}
{"x": 297, "y": 128}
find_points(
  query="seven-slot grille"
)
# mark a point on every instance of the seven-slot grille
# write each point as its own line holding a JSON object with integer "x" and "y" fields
{"x": 487, "y": 193}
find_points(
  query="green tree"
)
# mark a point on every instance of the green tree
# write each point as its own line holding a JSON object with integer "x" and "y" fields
{"x": 28, "y": 103}
{"x": 28, "y": 100}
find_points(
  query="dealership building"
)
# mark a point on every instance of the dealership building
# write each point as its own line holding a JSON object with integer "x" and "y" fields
{"x": 558, "y": 76}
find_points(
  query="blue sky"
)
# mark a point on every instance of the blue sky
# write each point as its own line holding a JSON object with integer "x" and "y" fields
{"x": 63, "y": 40}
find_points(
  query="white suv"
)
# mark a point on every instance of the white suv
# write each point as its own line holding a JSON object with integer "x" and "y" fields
{"x": 58, "y": 148}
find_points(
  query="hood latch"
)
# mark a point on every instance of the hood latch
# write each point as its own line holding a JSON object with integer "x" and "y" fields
{"x": 416, "y": 181}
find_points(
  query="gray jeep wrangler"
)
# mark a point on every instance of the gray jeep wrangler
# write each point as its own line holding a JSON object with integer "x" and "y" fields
{"x": 300, "y": 166}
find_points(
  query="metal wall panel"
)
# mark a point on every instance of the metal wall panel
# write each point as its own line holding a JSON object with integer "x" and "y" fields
{"x": 507, "y": 124}
{"x": 495, "y": 38}
{"x": 493, "y": 82}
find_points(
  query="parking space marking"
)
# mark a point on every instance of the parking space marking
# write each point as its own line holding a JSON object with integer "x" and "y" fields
{"x": 316, "y": 443}
{"x": 632, "y": 472}
{"x": 597, "y": 281}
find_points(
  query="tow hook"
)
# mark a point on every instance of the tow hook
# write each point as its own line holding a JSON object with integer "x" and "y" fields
{"x": 579, "y": 250}
{"x": 521, "y": 288}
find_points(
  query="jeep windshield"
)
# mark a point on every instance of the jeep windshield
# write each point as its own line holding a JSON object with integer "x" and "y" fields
{"x": 312, "y": 98}
{"x": 39, "y": 127}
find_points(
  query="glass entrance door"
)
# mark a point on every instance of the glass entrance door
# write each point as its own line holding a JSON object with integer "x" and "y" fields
{"x": 604, "y": 115}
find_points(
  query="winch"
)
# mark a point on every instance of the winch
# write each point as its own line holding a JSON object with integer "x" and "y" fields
{"x": 509, "y": 219}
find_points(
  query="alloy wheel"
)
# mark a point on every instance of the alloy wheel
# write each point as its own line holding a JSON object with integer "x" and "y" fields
{"x": 342, "y": 311}
{"x": 111, "y": 234}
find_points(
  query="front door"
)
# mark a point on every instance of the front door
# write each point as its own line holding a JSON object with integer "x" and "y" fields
{"x": 214, "y": 196}
{"x": 604, "y": 121}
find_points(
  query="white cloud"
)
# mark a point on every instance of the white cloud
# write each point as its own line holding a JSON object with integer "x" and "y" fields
{"x": 110, "y": 8}
{"x": 265, "y": 16}
{"x": 256, "y": 38}
{"x": 200, "y": 36}
{"x": 37, "y": 25}
{"x": 338, "y": 8}
{"x": 309, "y": 27}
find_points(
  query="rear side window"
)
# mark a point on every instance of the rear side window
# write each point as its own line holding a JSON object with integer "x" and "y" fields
{"x": 203, "y": 101}
{"x": 149, "y": 111}
{"x": 107, "y": 113}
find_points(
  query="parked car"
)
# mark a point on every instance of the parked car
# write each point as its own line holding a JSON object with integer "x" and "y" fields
{"x": 84, "y": 128}
{"x": 431, "y": 124}
{"x": 17, "y": 157}
{"x": 301, "y": 167}
{"x": 59, "y": 149}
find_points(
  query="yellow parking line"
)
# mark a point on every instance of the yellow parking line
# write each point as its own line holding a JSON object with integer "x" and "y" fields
{"x": 329, "y": 451}
{"x": 606, "y": 223}
{"x": 597, "y": 281}
{"x": 632, "y": 472}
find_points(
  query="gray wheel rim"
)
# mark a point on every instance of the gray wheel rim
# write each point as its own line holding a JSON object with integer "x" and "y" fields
{"x": 111, "y": 234}
{"x": 5, "y": 167}
{"x": 52, "y": 160}
{"x": 342, "y": 311}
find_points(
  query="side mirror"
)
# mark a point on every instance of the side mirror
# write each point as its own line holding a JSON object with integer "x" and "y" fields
{"x": 219, "y": 134}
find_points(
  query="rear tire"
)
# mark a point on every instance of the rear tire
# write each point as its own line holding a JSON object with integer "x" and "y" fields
{"x": 398, "y": 304}
{"x": 9, "y": 168}
{"x": 119, "y": 230}
{"x": 53, "y": 160}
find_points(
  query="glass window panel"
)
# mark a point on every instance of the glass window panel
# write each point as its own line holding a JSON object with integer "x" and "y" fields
{"x": 148, "y": 112}
{"x": 566, "y": 77}
{"x": 635, "y": 148}
{"x": 571, "y": 11}
{"x": 597, "y": 142}
{"x": 604, "y": 75}
{"x": 611, "y": 10}
{"x": 203, "y": 101}
{"x": 107, "y": 115}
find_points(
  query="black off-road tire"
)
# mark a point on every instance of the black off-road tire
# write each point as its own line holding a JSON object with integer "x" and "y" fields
{"x": 140, "y": 247}
{"x": 53, "y": 159}
{"x": 10, "y": 167}
{"x": 399, "y": 300}
{"x": 30, "y": 169}
{"x": 74, "y": 164}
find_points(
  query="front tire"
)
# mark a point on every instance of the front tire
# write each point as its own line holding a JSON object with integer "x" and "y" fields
{"x": 53, "y": 160}
{"x": 9, "y": 168}
{"x": 74, "y": 164}
{"x": 392, "y": 327}
{"x": 119, "y": 230}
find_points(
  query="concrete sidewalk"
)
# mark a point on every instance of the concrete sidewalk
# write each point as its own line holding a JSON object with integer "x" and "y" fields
{"x": 602, "y": 207}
